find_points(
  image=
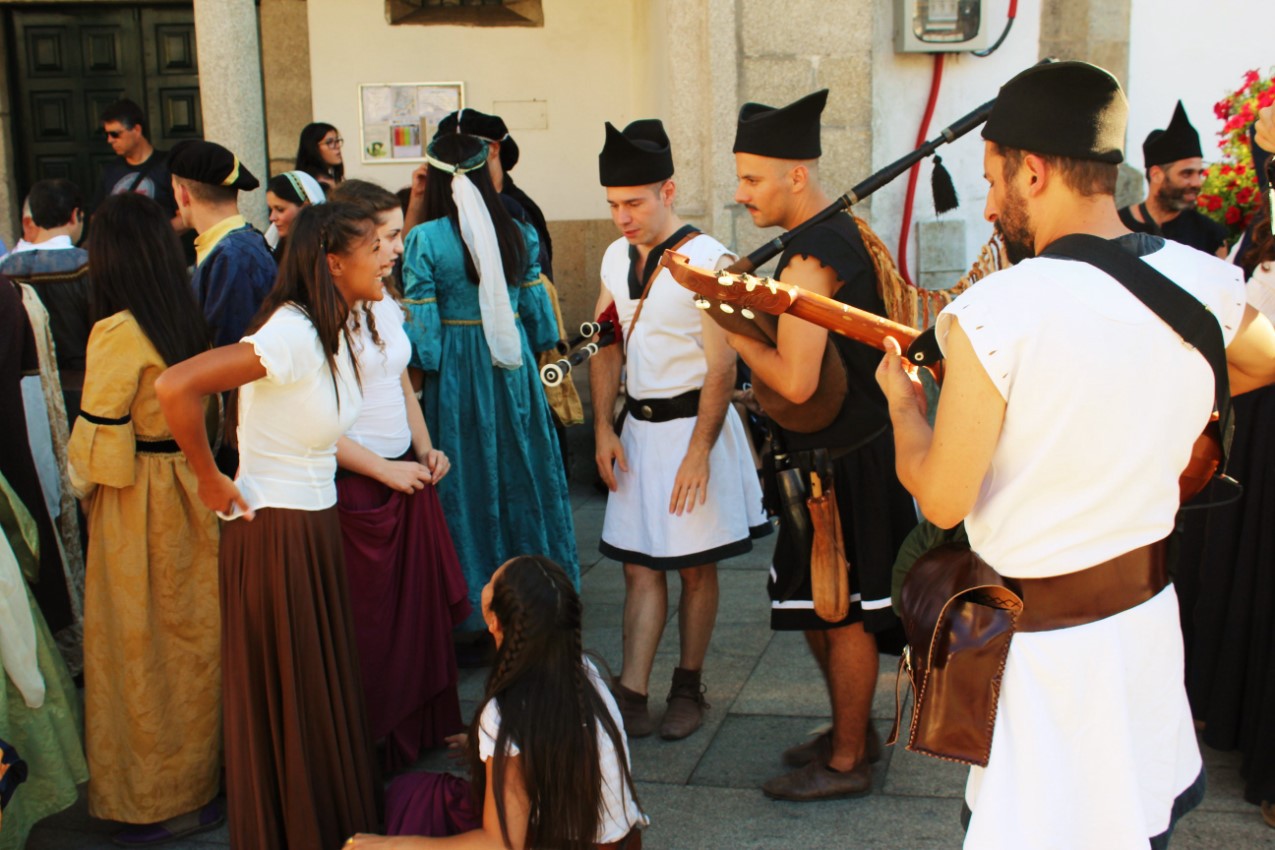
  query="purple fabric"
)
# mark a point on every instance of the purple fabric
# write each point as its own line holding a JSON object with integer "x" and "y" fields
{"x": 406, "y": 592}
{"x": 430, "y": 804}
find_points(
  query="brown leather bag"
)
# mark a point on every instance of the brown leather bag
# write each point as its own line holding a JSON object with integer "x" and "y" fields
{"x": 959, "y": 618}
{"x": 829, "y": 569}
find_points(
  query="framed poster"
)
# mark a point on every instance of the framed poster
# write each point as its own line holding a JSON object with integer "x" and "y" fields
{"x": 397, "y": 120}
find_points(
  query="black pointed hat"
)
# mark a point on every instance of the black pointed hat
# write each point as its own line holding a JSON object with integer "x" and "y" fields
{"x": 1070, "y": 109}
{"x": 636, "y": 156}
{"x": 785, "y": 132}
{"x": 1177, "y": 141}
{"x": 489, "y": 127}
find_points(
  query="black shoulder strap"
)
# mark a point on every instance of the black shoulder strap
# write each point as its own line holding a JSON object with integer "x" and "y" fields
{"x": 1178, "y": 308}
{"x": 144, "y": 170}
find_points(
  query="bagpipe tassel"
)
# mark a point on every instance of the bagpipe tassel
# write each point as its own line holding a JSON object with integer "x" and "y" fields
{"x": 941, "y": 184}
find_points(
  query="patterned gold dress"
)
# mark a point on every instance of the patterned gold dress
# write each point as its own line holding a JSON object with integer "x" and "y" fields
{"x": 152, "y": 626}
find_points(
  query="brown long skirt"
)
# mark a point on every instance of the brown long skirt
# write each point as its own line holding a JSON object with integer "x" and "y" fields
{"x": 299, "y": 770}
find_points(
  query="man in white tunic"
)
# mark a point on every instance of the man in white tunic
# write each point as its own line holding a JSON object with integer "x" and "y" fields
{"x": 684, "y": 492}
{"x": 1068, "y": 412}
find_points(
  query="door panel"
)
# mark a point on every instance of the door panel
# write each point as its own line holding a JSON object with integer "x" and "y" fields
{"x": 172, "y": 76}
{"x": 72, "y": 65}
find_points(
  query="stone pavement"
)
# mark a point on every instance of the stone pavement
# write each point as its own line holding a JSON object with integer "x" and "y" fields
{"x": 766, "y": 695}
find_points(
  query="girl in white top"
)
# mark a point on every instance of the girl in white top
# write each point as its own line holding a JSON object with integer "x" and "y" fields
{"x": 298, "y": 757}
{"x": 549, "y": 754}
{"x": 407, "y": 590}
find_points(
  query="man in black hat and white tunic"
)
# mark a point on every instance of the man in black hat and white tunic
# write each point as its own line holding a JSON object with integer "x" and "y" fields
{"x": 684, "y": 493}
{"x": 777, "y": 161}
{"x": 1175, "y": 172}
{"x": 1069, "y": 410}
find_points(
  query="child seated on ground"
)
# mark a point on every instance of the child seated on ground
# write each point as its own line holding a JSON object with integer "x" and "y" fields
{"x": 549, "y": 758}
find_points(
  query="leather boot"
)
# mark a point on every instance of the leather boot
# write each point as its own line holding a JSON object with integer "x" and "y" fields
{"x": 686, "y": 705}
{"x": 819, "y": 748}
{"x": 634, "y": 711}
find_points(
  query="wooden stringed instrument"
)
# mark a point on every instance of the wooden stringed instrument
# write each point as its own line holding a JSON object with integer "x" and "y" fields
{"x": 747, "y": 296}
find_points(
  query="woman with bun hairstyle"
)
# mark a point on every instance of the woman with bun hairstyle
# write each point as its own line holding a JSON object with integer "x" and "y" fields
{"x": 407, "y": 591}
{"x": 549, "y": 759}
{"x": 299, "y": 769}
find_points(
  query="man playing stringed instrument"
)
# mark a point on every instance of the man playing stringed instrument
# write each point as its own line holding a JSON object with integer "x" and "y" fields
{"x": 1069, "y": 409}
{"x": 777, "y": 160}
{"x": 684, "y": 493}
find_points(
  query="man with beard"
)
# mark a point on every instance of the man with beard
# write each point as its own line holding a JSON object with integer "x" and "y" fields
{"x": 777, "y": 162}
{"x": 1175, "y": 172}
{"x": 1068, "y": 412}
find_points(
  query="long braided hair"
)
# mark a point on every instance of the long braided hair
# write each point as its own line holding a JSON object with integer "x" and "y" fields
{"x": 549, "y": 708}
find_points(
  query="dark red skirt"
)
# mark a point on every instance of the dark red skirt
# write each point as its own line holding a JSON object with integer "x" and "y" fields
{"x": 407, "y": 592}
{"x": 299, "y": 765}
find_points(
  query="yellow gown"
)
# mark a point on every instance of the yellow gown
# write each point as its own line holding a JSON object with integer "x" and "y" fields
{"x": 152, "y": 623}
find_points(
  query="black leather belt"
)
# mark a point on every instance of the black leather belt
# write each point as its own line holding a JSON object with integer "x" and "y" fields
{"x": 664, "y": 409}
{"x": 159, "y": 447}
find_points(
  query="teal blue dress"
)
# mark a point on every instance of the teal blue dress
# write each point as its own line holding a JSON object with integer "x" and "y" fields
{"x": 506, "y": 494}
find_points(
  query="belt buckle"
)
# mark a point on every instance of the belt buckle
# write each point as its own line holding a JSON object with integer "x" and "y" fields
{"x": 646, "y": 411}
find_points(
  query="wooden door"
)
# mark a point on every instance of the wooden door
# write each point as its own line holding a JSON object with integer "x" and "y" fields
{"x": 70, "y": 65}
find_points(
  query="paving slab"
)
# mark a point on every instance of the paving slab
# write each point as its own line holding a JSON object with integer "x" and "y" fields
{"x": 686, "y": 817}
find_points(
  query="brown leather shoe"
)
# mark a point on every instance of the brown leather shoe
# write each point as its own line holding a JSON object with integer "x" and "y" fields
{"x": 633, "y": 710}
{"x": 686, "y": 705}
{"x": 817, "y": 782}
{"x": 1268, "y": 813}
{"x": 819, "y": 748}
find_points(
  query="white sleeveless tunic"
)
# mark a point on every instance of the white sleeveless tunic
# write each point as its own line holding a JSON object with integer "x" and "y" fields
{"x": 665, "y": 358}
{"x": 1093, "y": 739}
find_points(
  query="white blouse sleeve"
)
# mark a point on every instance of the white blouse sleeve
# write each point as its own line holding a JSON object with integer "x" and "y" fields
{"x": 488, "y": 729}
{"x": 288, "y": 346}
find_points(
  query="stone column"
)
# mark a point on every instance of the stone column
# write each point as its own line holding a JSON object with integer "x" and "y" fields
{"x": 1094, "y": 31}
{"x": 230, "y": 90}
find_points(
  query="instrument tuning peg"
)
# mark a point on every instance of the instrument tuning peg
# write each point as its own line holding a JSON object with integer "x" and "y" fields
{"x": 746, "y": 313}
{"x": 702, "y": 303}
{"x": 770, "y": 284}
{"x": 726, "y": 308}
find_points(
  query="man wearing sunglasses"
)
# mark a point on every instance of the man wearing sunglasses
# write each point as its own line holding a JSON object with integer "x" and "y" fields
{"x": 140, "y": 167}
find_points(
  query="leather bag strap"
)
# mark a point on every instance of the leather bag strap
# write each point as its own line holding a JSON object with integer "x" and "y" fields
{"x": 1179, "y": 309}
{"x": 628, "y": 333}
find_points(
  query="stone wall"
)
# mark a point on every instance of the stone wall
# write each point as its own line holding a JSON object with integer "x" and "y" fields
{"x": 1096, "y": 31}
{"x": 285, "y": 70}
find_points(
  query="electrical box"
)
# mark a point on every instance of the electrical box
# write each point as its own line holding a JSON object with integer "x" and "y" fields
{"x": 939, "y": 26}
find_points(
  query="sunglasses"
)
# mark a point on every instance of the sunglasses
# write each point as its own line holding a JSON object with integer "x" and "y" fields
{"x": 114, "y": 134}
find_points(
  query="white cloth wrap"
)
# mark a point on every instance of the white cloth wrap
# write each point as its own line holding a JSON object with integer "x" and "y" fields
{"x": 17, "y": 630}
{"x": 494, "y": 306}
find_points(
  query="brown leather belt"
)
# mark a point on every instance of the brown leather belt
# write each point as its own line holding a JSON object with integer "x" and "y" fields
{"x": 1075, "y": 599}
{"x": 632, "y": 841}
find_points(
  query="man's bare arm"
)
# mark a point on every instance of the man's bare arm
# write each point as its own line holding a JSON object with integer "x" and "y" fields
{"x": 1250, "y": 358}
{"x": 944, "y": 468}
{"x": 691, "y": 484}
{"x": 792, "y": 366}
{"x": 604, "y": 387}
